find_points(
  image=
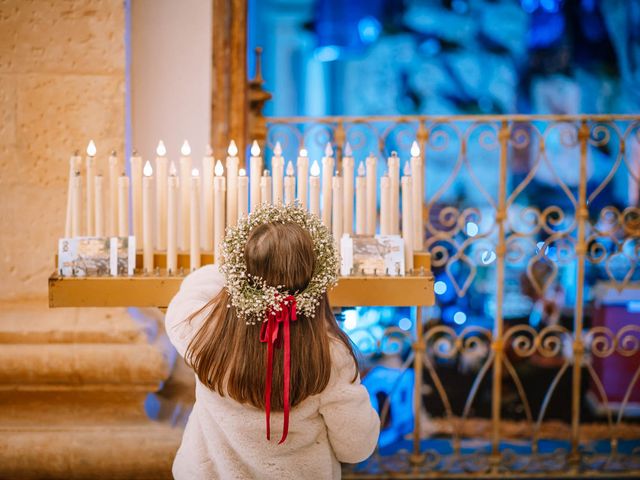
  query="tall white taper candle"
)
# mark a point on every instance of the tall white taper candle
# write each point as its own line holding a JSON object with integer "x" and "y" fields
{"x": 417, "y": 178}
{"x": 123, "y": 205}
{"x": 233, "y": 163}
{"x": 372, "y": 191}
{"x": 255, "y": 172}
{"x": 76, "y": 204}
{"x": 407, "y": 218}
{"x": 328, "y": 165}
{"x": 361, "y": 200}
{"x": 337, "y": 209}
{"x": 207, "y": 195}
{"x": 277, "y": 172}
{"x": 303, "y": 177}
{"x": 114, "y": 173}
{"x": 266, "y": 190}
{"x": 393, "y": 164}
{"x": 385, "y": 204}
{"x": 172, "y": 220}
{"x": 74, "y": 166}
{"x": 185, "y": 196}
{"x": 347, "y": 188}
{"x": 243, "y": 193}
{"x": 219, "y": 194}
{"x": 98, "y": 186}
{"x": 136, "y": 195}
{"x": 194, "y": 251}
{"x": 161, "y": 196}
{"x": 314, "y": 189}
{"x": 90, "y": 174}
{"x": 147, "y": 218}
{"x": 289, "y": 184}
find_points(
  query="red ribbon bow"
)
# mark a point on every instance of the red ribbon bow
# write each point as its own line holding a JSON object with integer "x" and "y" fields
{"x": 269, "y": 333}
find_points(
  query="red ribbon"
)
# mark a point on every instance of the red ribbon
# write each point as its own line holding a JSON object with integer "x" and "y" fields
{"x": 269, "y": 334}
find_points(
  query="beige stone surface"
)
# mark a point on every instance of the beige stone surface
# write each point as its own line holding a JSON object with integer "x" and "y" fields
{"x": 61, "y": 83}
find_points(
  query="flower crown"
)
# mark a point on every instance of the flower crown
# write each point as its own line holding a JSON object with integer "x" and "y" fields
{"x": 250, "y": 295}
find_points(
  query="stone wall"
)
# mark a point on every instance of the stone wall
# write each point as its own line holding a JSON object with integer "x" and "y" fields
{"x": 62, "y": 82}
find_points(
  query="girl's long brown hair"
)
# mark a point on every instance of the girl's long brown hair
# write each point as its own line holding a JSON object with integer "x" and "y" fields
{"x": 227, "y": 354}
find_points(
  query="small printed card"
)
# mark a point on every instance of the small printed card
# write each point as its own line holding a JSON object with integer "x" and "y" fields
{"x": 96, "y": 256}
{"x": 379, "y": 255}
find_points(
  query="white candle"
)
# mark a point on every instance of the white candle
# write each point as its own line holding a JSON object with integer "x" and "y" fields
{"x": 255, "y": 173}
{"x": 385, "y": 204}
{"x": 243, "y": 193}
{"x": 147, "y": 218}
{"x": 90, "y": 162}
{"x": 136, "y": 194}
{"x": 277, "y": 168}
{"x": 337, "y": 208}
{"x": 417, "y": 177}
{"x": 185, "y": 196}
{"x": 407, "y": 218}
{"x": 74, "y": 166}
{"x": 361, "y": 207}
{"x": 327, "y": 175}
{"x": 123, "y": 206}
{"x": 98, "y": 186}
{"x": 219, "y": 193}
{"x": 314, "y": 189}
{"x": 266, "y": 188}
{"x": 207, "y": 194}
{"x": 289, "y": 185}
{"x": 393, "y": 164}
{"x": 303, "y": 177}
{"x": 114, "y": 173}
{"x": 232, "y": 184}
{"x": 347, "y": 203}
{"x": 372, "y": 190}
{"x": 172, "y": 220}
{"x": 194, "y": 251}
{"x": 161, "y": 196}
{"x": 76, "y": 204}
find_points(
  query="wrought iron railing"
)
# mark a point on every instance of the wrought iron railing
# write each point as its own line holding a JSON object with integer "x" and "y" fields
{"x": 534, "y": 223}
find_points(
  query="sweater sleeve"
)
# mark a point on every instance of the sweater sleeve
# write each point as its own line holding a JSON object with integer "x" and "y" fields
{"x": 196, "y": 290}
{"x": 352, "y": 423}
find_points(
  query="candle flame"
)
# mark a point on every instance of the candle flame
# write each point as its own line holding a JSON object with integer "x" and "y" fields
{"x": 290, "y": 170}
{"x": 161, "y": 150}
{"x": 277, "y": 150}
{"x": 219, "y": 169}
{"x": 415, "y": 149}
{"x": 233, "y": 149}
{"x": 185, "y": 150}
{"x": 315, "y": 169}
{"x": 266, "y": 173}
{"x": 407, "y": 169}
{"x": 328, "y": 150}
{"x": 303, "y": 152}
{"x": 255, "y": 149}
{"x": 242, "y": 172}
{"x": 347, "y": 150}
{"x": 148, "y": 169}
{"x": 173, "y": 171}
{"x": 195, "y": 172}
{"x": 91, "y": 149}
{"x": 361, "y": 169}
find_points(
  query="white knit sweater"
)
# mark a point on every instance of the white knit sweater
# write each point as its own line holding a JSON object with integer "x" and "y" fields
{"x": 226, "y": 439}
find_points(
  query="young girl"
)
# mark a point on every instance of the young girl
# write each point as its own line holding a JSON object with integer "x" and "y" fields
{"x": 265, "y": 347}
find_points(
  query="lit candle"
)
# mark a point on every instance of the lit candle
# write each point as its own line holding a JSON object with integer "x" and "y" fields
{"x": 123, "y": 205}
{"x": 90, "y": 165}
{"x": 172, "y": 220}
{"x": 314, "y": 189}
{"x": 393, "y": 164}
{"x": 347, "y": 203}
{"x": 114, "y": 173}
{"x": 99, "y": 204}
{"x": 327, "y": 175}
{"x": 194, "y": 256}
{"x": 232, "y": 184}
{"x": 219, "y": 192}
{"x": 372, "y": 190}
{"x": 74, "y": 166}
{"x": 417, "y": 178}
{"x": 136, "y": 194}
{"x": 265, "y": 187}
{"x": 361, "y": 207}
{"x": 185, "y": 196}
{"x": 243, "y": 193}
{"x": 255, "y": 165}
{"x": 147, "y": 218}
{"x": 337, "y": 208}
{"x": 385, "y": 204}
{"x": 161, "y": 196}
{"x": 289, "y": 185}
{"x": 277, "y": 167}
{"x": 76, "y": 204}
{"x": 303, "y": 176}
{"x": 207, "y": 193}
{"x": 407, "y": 217}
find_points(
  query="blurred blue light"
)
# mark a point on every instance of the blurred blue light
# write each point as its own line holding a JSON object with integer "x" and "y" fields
{"x": 369, "y": 29}
{"x": 460, "y": 317}
{"x": 430, "y": 47}
{"x": 459, "y": 6}
{"x": 405, "y": 324}
{"x": 529, "y": 6}
{"x": 328, "y": 53}
{"x": 472, "y": 229}
{"x": 440, "y": 287}
{"x": 350, "y": 319}
{"x": 550, "y": 5}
